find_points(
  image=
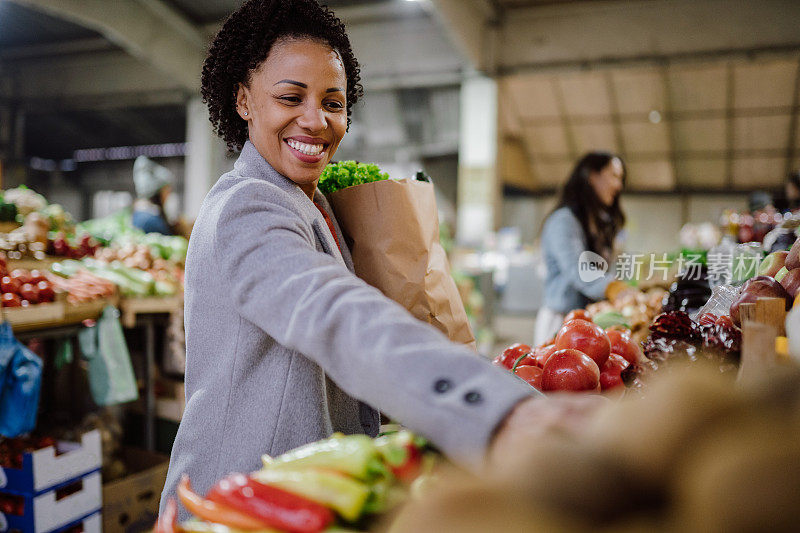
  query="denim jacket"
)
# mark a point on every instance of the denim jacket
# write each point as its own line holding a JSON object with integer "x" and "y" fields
{"x": 562, "y": 243}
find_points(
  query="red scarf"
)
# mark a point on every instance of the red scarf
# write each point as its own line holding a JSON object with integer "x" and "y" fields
{"x": 330, "y": 225}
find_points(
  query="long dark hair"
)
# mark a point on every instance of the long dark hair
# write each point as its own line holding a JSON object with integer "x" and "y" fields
{"x": 600, "y": 223}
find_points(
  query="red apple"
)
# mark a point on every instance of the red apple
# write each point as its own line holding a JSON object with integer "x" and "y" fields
{"x": 755, "y": 288}
{"x": 793, "y": 258}
{"x": 587, "y": 337}
{"x": 621, "y": 344}
{"x": 37, "y": 276}
{"x": 21, "y": 275}
{"x": 772, "y": 264}
{"x": 46, "y": 292}
{"x": 531, "y": 374}
{"x": 29, "y": 292}
{"x": 9, "y": 284}
{"x": 570, "y": 370}
{"x": 11, "y": 300}
{"x": 791, "y": 282}
{"x": 610, "y": 376}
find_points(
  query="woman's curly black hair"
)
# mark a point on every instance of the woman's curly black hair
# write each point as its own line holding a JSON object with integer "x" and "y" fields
{"x": 243, "y": 44}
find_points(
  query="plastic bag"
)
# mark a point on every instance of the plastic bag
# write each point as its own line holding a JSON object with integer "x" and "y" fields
{"x": 21, "y": 373}
{"x": 111, "y": 378}
{"x": 722, "y": 297}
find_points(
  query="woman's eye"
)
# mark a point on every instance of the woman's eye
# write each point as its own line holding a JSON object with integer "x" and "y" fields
{"x": 335, "y": 105}
{"x": 290, "y": 99}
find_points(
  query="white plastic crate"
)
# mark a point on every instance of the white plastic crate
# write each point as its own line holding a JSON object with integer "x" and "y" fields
{"x": 43, "y": 513}
{"x": 43, "y": 469}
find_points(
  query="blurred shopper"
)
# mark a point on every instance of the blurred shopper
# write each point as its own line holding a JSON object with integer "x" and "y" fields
{"x": 587, "y": 218}
{"x": 792, "y": 191}
{"x": 284, "y": 344}
{"x": 153, "y": 184}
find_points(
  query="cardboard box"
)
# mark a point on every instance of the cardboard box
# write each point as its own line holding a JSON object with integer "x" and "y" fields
{"x": 130, "y": 504}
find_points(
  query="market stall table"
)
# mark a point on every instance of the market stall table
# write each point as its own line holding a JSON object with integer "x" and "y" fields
{"x": 147, "y": 313}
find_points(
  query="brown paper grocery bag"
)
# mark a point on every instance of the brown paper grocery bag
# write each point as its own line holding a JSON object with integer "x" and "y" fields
{"x": 392, "y": 229}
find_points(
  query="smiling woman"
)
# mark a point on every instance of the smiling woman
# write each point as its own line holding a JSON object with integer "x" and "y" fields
{"x": 284, "y": 344}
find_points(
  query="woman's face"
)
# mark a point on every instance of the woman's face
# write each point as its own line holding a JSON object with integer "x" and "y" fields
{"x": 607, "y": 183}
{"x": 296, "y": 109}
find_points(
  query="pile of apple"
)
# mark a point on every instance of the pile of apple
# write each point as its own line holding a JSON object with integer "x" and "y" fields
{"x": 779, "y": 277}
{"x": 582, "y": 357}
{"x": 22, "y": 288}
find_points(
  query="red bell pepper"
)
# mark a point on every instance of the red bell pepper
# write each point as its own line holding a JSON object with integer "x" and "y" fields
{"x": 273, "y": 506}
{"x": 167, "y": 522}
{"x": 214, "y": 512}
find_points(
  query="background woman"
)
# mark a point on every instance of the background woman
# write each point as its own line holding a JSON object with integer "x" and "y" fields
{"x": 284, "y": 344}
{"x": 587, "y": 218}
{"x": 153, "y": 184}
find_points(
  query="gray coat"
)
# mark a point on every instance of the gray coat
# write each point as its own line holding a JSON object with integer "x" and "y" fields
{"x": 284, "y": 342}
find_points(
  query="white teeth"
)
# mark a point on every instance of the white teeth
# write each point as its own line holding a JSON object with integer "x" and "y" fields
{"x": 308, "y": 149}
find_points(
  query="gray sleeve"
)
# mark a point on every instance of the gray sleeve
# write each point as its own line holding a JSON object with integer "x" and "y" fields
{"x": 370, "y": 346}
{"x": 562, "y": 235}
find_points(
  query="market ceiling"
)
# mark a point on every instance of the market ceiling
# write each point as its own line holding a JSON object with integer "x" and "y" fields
{"x": 676, "y": 86}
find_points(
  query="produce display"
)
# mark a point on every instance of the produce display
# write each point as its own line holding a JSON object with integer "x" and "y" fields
{"x": 582, "y": 357}
{"x": 634, "y": 311}
{"x": 82, "y": 287}
{"x": 22, "y": 288}
{"x": 130, "y": 281}
{"x": 340, "y": 481}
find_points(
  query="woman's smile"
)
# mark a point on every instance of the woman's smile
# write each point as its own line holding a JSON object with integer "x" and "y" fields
{"x": 307, "y": 149}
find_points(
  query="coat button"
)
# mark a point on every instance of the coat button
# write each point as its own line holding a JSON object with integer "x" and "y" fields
{"x": 442, "y": 386}
{"x": 473, "y": 397}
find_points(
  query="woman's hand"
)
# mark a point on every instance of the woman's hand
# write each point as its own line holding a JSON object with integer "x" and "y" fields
{"x": 565, "y": 413}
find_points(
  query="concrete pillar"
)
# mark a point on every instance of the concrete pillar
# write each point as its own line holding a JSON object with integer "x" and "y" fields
{"x": 205, "y": 155}
{"x": 478, "y": 186}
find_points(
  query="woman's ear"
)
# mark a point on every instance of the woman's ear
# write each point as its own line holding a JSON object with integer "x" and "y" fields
{"x": 242, "y": 94}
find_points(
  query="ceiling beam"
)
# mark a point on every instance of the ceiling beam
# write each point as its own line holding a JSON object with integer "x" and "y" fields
{"x": 473, "y": 27}
{"x": 579, "y": 34}
{"x": 147, "y": 29}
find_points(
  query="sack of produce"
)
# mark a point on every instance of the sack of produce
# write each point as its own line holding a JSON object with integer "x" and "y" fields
{"x": 392, "y": 230}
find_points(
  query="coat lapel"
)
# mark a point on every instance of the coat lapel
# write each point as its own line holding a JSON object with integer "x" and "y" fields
{"x": 251, "y": 163}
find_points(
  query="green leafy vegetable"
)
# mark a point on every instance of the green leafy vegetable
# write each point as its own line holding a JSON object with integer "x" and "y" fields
{"x": 337, "y": 176}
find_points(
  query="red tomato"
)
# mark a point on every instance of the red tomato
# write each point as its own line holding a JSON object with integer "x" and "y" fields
{"x": 725, "y": 321}
{"x": 29, "y": 292}
{"x": 570, "y": 370}
{"x": 541, "y": 354}
{"x": 610, "y": 376}
{"x": 46, "y": 292}
{"x": 511, "y": 354}
{"x": 37, "y": 277}
{"x": 531, "y": 374}
{"x": 577, "y": 313}
{"x": 587, "y": 337}
{"x": 9, "y": 284}
{"x": 11, "y": 300}
{"x": 621, "y": 344}
{"x": 21, "y": 275}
